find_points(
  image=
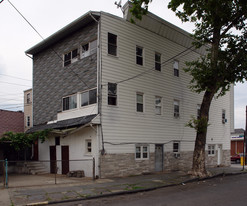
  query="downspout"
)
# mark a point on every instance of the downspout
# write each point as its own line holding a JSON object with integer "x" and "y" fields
{"x": 99, "y": 87}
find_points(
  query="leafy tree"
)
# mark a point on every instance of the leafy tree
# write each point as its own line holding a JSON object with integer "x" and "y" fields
{"x": 220, "y": 25}
{"x": 20, "y": 141}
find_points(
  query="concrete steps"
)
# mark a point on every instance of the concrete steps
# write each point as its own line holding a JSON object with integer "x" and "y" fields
{"x": 36, "y": 167}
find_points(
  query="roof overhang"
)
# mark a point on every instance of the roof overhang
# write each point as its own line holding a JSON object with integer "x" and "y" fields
{"x": 81, "y": 22}
{"x": 66, "y": 126}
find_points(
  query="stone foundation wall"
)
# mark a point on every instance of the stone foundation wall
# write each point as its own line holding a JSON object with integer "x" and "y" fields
{"x": 117, "y": 165}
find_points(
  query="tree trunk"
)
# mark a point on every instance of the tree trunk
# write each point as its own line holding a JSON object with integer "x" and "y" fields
{"x": 199, "y": 168}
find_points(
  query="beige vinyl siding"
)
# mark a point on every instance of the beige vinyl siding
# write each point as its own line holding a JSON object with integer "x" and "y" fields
{"x": 122, "y": 124}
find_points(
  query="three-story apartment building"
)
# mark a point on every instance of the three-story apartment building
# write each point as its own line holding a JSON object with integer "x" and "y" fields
{"x": 116, "y": 91}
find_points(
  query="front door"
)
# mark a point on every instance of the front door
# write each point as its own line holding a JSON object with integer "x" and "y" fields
{"x": 65, "y": 159}
{"x": 53, "y": 160}
{"x": 158, "y": 157}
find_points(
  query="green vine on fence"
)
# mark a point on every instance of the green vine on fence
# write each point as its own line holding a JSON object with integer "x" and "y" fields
{"x": 20, "y": 140}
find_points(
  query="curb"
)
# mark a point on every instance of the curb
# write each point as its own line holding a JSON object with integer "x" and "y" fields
{"x": 135, "y": 191}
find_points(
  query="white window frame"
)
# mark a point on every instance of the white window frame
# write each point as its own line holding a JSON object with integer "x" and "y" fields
{"x": 70, "y": 99}
{"x": 157, "y": 65}
{"x": 144, "y": 149}
{"x": 138, "y": 102}
{"x": 92, "y": 48}
{"x": 88, "y": 148}
{"x": 211, "y": 150}
{"x": 87, "y": 92}
{"x": 158, "y": 105}
{"x": 112, "y": 95}
{"x": 72, "y": 59}
{"x": 223, "y": 116}
{"x": 111, "y": 45}
{"x": 176, "y": 114}
{"x": 176, "y": 68}
{"x": 178, "y": 149}
{"x": 140, "y": 56}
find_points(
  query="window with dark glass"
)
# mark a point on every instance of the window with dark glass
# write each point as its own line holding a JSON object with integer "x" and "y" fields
{"x": 176, "y": 147}
{"x": 157, "y": 61}
{"x": 112, "y": 94}
{"x": 89, "y": 97}
{"x": 28, "y": 98}
{"x": 70, "y": 57}
{"x": 112, "y": 44}
{"x": 70, "y": 102}
{"x": 176, "y": 68}
{"x": 141, "y": 152}
{"x": 176, "y": 108}
{"x": 57, "y": 140}
{"x": 139, "y": 102}
{"x": 139, "y": 55}
{"x": 158, "y": 105}
{"x": 28, "y": 121}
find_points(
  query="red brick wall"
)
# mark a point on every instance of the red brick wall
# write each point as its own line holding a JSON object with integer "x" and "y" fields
{"x": 11, "y": 121}
{"x": 237, "y": 147}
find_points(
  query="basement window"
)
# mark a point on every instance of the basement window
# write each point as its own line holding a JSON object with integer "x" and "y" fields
{"x": 142, "y": 152}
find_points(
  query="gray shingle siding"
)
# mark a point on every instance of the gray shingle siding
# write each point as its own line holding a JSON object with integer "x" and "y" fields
{"x": 52, "y": 81}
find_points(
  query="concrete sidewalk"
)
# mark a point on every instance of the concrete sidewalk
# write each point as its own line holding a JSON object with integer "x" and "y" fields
{"x": 82, "y": 189}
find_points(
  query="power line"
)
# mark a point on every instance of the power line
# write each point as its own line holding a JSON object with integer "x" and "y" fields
{"x": 25, "y": 19}
{"x": 153, "y": 68}
{"x": 15, "y": 77}
{"x": 15, "y": 84}
{"x": 77, "y": 75}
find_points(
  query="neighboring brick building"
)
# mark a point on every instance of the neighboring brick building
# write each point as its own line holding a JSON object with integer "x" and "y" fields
{"x": 11, "y": 121}
{"x": 237, "y": 141}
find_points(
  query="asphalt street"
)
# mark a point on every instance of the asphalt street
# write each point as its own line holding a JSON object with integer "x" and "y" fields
{"x": 221, "y": 191}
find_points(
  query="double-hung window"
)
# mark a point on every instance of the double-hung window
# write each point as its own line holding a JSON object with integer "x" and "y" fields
{"x": 142, "y": 152}
{"x": 88, "y": 97}
{"x": 139, "y": 102}
{"x": 70, "y": 102}
{"x": 158, "y": 105}
{"x": 88, "y": 146}
{"x": 139, "y": 55}
{"x": 70, "y": 57}
{"x": 211, "y": 150}
{"x": 176, "y": 68}
{"x": 112, "y": 94}
{"x": 176, "y": 108}
{"x": 112, "y": 44}
{"x": 176, "y": 146}
{"x": 157, "y": 61}
{"x": 224, "y": 116}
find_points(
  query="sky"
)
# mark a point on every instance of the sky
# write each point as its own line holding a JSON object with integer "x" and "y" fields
{"x": 48, "y": 16}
